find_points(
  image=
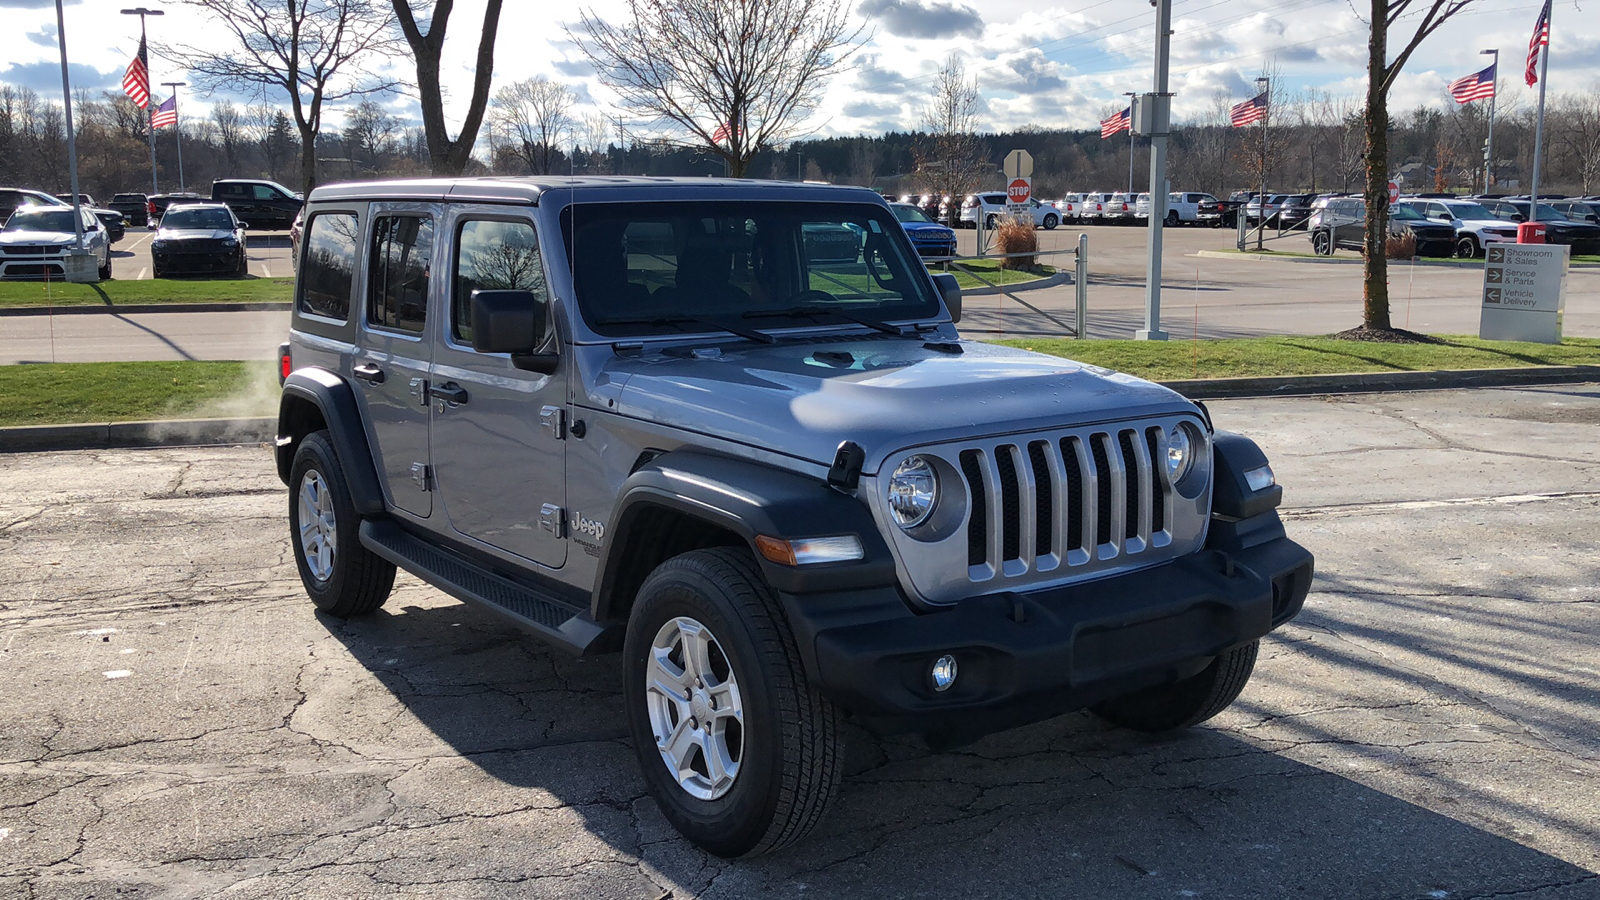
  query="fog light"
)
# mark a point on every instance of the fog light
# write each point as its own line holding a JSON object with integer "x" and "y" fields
{"x": 1259, "y": 479}
{"x": 943, "y": 673}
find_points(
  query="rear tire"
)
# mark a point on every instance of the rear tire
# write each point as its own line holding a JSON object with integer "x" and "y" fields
{"x": 1188, "y": 702}
{"x": 342, "y": 577}
{"x": 1172, "y": 218}
{"x": 989, "y": 221}
{"x": 1050, "y": 223}
{"x": 790, "y": 752}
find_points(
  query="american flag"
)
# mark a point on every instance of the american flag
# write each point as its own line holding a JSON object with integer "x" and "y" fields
{"x": 1541, "y": 38}
{"x": 1249, "y": 112}
{"x": 1477, "y": 86}
{"x": 165, "y": 114}
{"x": 136, "y": 81}
{"x": 724, "y": 132}
{"x": 1122, "y": 121}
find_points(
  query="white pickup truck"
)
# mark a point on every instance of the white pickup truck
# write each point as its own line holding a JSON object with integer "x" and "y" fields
{"x": 1189, "y": 207}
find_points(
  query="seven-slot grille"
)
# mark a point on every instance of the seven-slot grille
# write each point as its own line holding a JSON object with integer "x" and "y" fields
{"x": 1041, "y": 502}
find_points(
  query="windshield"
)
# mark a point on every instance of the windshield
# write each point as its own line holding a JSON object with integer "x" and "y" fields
{"x": 910, "y": 214}
{"x": 35, "y": 219}
{"x": 652, "y": 268}
{"x": 199, "y": 219}
{"x": 1405, "y": 213}
{"x": 1471, "y": 212}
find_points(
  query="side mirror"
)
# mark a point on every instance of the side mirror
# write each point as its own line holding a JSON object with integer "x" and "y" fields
{"x": 243, "y": 227}
{"x": 950, "y": 290}
{"x": 513, "y": 322}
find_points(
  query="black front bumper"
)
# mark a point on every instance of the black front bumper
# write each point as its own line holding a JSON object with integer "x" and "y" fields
{"x": 1027, "y": 656}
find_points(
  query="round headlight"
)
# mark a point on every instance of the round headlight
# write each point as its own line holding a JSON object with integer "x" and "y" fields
{"x": 913, "y": 490}
{"x": 1180, "y": 453}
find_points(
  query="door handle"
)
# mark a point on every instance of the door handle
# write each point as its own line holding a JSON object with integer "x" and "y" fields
{"x": 369, "y": 373}
{"x": 450, "y": 392}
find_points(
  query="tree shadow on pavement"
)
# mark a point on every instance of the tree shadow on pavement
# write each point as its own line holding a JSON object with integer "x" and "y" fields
{"x": 1255, "y": 804}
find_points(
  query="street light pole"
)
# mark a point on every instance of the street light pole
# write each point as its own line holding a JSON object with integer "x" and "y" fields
{"x": 1488, "y": 149}
{"x": 1156, "y": 121}
{"x": 1261, "y": 203}
{"x": 150, "y": 113}
{"x": 177, "y": 127}
{"x": 72, "y": 141}
{"x": 1130, "y": 95}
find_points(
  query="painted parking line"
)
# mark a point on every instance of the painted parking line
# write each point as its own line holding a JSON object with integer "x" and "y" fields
{"x": 144, "y": 273}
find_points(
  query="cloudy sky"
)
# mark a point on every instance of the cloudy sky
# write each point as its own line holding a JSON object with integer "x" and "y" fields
{"x": 1060, "y": 65}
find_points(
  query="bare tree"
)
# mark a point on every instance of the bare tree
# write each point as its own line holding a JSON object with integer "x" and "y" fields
{"x": 1381, "y": 75}
{"x": 312, "y": 52}
{"x": 536, "y": 114}
{"x": 1576, "y": 136}
{"x": 951, "y": 158}
{"x": 732, "y": 76}
{"x": 370, "y": 134}
{"x": 593, "y": 135}
{"x": 448, "y": 157}
{"x": 230, "y": 131}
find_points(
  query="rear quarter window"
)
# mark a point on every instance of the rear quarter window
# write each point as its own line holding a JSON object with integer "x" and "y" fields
{"x": 328, "y": 269}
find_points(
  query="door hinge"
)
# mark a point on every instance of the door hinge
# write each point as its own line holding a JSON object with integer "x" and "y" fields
{"x": 554, "y": 419}
{"x": 552, "y": 518}
{"x": 422, "y": 474}
{"x": 419, "y": 391}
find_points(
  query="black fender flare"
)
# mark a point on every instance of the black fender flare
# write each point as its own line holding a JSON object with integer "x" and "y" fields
{"x": 746, "y": 499}
{"x": 336, "y": 401}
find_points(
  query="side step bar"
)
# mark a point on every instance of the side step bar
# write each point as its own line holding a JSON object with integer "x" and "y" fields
{"x": 556, "y": 621}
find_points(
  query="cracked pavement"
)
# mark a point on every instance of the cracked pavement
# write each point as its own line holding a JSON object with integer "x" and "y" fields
{"x": 179, "y": 723}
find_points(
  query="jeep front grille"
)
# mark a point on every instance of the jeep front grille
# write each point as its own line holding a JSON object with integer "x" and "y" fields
{"x": 1047, "y": 508}
{"x": 1040, "y": 504}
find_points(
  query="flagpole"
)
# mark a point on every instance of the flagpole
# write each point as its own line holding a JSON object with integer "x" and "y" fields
{"x": 1538, "y": 128}
{"x": 1488, "y": 150}
{"x": 1261, "y": 229}
{"x": 177, "y": 127}
{"x": 150, "y": 113}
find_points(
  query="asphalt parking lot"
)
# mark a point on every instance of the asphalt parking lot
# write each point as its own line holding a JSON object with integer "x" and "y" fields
{"x": 268, "y": 252}
{"x": 179, "y": 724}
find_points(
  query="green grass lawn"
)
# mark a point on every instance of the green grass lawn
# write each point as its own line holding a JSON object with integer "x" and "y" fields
{"x": 1178, "y": 360}
{"x": 130, "y": 391}
{"x": 115, "y": 293}
{"x": 990, "y": 269}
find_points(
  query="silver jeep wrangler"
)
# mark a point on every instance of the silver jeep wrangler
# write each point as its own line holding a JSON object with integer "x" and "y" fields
{"x": 729, "y": 429}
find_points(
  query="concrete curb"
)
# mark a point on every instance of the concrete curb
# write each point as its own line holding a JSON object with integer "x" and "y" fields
{"x": 266, "y": 305}
{"x": 1381, "y": 382}
{"x": 1355, "y": 260}
{"x": 104, "y": 435}
{"x": 1058, "y": 278}
{"x": 198, "y": 432}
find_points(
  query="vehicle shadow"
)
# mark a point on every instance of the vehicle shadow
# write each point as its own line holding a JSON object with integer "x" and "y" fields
{"x": 1065, "y": 807}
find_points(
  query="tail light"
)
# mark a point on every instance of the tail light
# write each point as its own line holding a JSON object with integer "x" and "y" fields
{"x": 285, "y": 364}
{"x": 150, "y": 207}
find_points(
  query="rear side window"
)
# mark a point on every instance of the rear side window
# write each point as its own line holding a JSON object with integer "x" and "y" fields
{"x": 402, "y": 259}
{"x": 329, "y": 265}
{"x": 232, "y": 191}
{"x": 493, "y": 255}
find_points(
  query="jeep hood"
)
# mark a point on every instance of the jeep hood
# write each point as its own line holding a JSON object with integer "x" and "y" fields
{"x": 804, "y": 399}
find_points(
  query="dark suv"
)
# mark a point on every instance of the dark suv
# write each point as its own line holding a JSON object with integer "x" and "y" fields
{"x": 1582, "y": 237}
{"x": 635, "y": 415}
{"x": 1295, "y": 211}
{"x": 1342, "y": 224}
{"x": 262, "y": 205}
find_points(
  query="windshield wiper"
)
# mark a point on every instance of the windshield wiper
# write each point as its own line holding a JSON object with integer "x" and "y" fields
{"x": 749, "y": 334}
{"x": 811, "y": 312}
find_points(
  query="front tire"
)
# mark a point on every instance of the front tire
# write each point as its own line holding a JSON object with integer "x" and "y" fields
{"x": 738, "y": 748}
{"x": 105, "y": 270}
{"x": 1322, "y": 244}
{"x": 1466, "y": 247}
{"x": 1188, "y": 702}
{"x": 989, "y": 221}
{"x": 342, "y": 577}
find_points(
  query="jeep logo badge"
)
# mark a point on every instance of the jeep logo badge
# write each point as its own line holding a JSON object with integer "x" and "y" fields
{"x": 582, "y": 528}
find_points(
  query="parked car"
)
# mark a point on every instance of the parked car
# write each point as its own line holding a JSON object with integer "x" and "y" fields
{"x": 1475, "y": 226}
{"x": 831, "y": 243}
{"x": 1578, "y": 210}
{"x": 199, "y": 239}
{"x": 1093, "y": 210}
{"x": 1294, "y": 212}
{"x": 156, "y": 205}
{"x": 1342, "y": 224}
{"x": 37, "y": 238}
{"x": 1118, "y": 209}
{"x": 1274, "y": 204}
{"x": 1071, "y": 207}
{"x": 1141, "y": 207}
{"x": 133, "y": 207}
{"x": 109, "y": 219}
{"x": 260, "y": 204}
{"x": 791, "y": 499}
{"x": 1191, "y": 208}
{"x": 992, "y": 207}
{"x": 1582, "y": 237}
{"x": 929, "y": 237}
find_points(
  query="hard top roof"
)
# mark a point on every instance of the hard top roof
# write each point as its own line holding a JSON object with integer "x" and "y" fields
{"x": 528, "y": 189}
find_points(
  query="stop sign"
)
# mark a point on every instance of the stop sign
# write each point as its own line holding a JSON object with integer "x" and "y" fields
{"x": 1019, "y": 191}
{"x": 1394, "y": 192}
